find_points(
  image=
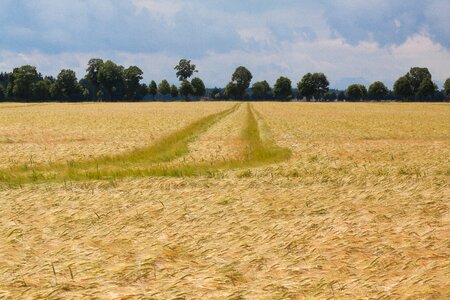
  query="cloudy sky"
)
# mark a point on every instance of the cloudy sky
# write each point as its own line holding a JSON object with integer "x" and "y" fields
{"x": 349, "y": 40}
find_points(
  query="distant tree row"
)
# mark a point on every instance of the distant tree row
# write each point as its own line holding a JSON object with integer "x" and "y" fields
{"x": 107, "y": 81}
{"x": 104, "y": 81}
{"x": 416, "y": 85}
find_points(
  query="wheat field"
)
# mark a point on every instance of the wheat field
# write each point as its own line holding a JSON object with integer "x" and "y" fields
{"x": 229, "y": 201}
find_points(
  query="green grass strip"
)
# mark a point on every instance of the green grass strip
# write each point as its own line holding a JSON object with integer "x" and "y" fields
{"x": 149, "y": 162}
{"x": 128, "y": 164}
{"x": 258, "y": 152}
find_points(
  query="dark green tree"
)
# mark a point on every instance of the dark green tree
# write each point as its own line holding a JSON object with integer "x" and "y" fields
{"x": 427, "y": 89}
{"x": 356, "y": 92}
{"x": 186, "y": 89}
{"x": 313, "y": 85}
{"x": 416, "y": 85}
{"x": 132, "y": 77}
{"x": 185, "y": 69}
{"x": 164, "y": 88}
{"x": 282, "y": 89}
{"x": 216, "y": 93}
{"x": 198, "y": 87}
{"x": 242, "y": 77}
{"x": 2, "y": 93}
{"x": 403, "y": 89}
{"x": 447, "y": 87}
{"x": 231, "y": 90}
{"x": 111, "y": 78}
{"x": 330, "y": 96}
{"x": 41, "y": 90}
{"x": 174, "y": 91}
{"x": 261, "y": 90}
{"x": 94, "y": 66}
{"x": 67, "y": 86}
{"x": 142, "y": 91}
{"x": 306, "y": 87}
{"x": 378, "y": 91}
{"x": 22, "y": 81}
{"x": 153, "y": 89}
{"x": 415, "y": 76}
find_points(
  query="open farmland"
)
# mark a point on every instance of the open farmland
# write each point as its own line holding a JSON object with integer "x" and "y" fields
{"x": 43, "y": 133}
{"x": 225, "y": 201}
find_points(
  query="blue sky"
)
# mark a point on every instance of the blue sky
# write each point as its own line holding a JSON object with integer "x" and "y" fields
{"x": 348, "y": 40}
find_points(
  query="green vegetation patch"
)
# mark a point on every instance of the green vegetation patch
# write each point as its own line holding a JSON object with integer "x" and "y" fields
{"x": 134, "y": 163}
{"x": 151, "y": 161}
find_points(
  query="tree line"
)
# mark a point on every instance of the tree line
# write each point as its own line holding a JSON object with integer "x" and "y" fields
{"x": 108, "y": 81}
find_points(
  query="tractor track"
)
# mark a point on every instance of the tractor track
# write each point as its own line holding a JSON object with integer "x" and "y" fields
{"x": 164, "y": 158}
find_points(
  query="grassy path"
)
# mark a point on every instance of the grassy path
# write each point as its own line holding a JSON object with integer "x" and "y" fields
{"x": 106, "y": 167}
{"x": 150, "y": 161}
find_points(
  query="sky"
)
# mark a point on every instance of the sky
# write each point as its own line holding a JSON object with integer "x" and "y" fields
{"x": 351, "y": 41}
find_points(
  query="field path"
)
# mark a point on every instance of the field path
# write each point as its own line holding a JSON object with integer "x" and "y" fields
{"x": 259, "y": 149}
{"x": 122, "y": 165}
{"x": 221, "y": 142}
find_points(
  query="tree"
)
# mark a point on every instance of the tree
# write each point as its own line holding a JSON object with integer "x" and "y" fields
{"x": 67, "y": 86}
{"x": 261, "y": 89}
{"x": 447, "y": 87}
{"x": 313, "y": 85}
{"x": 152, "y": 89}
{"x": 403, "y": 89}
{"x": 416, "y": 85}
{"x": 2, "y": 93}
{"x": 94, "y": 66}
{"x": 173, "y": 91}
{"x": 132, "y": 77}
{"x": 21, "y": 82}
{"x": 216, "y": 93}
{"x": 231, "y": 90}
{"x": 142, "y": 91}
{"x": 164, "y": 88}
{"x": 341, "y": 96}
{"x": 282, "y": 88}
{"x": 330, "y": 96}
{"x": 242, "y": 77}
{"x": 415, "y": 76}
{"x": 198, "y": 87}
{"x": 186, "y": 89}
{"x": 427, "y": 89}
{"x": 356, "y": 92}
{"x": 41, "y": 90}
{"x": 378, "y": 91}
{"x": 111, "y": 78}
{"x": 185, "y": 69}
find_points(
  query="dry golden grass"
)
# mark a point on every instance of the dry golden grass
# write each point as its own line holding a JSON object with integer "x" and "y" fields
{"x": 361, "y": 210}
{"x": 45, "y": 133}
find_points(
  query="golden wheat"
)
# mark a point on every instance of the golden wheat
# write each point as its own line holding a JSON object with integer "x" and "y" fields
{"x": 361, "y": 210}
{"x": 64, "y": 132}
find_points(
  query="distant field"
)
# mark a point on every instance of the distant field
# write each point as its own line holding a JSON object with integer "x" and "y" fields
{"x": 42, "y": 133}
{"x": 225, "y": 200}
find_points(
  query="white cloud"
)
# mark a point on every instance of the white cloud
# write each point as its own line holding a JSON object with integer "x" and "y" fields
{"x": 374, "y": 40}
{"x": 256, "y": 34}
{"x": 335, "y": 57}
{"x": 165, "y": 9}
{"x": 437, "y": 13}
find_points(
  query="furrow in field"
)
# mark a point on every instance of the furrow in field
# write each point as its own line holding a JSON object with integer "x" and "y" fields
{"x": 57, "y": 133}
{"x": 259, "y": 149}
{"x": 221, "y": 142}
{"x": 123, "y": 165}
